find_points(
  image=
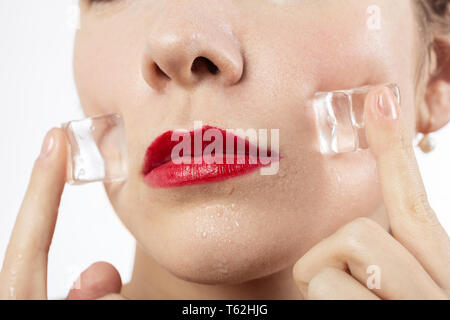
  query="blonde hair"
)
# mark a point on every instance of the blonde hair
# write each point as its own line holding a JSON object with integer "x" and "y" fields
{"x": 434, "y": 20}
{"x": 434, "y": 30}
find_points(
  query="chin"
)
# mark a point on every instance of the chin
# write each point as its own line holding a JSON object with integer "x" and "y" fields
{"x": 214, "y": 265}
{"x": 221, "y": 239}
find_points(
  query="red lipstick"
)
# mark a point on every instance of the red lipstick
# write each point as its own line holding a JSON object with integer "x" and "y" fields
{"x": 160, "y": 170}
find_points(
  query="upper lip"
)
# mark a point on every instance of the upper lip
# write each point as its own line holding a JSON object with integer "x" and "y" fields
{"x": 160, "y": 150}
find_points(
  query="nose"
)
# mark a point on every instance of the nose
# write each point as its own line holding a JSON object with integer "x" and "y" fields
{"x": 185, "y": 45}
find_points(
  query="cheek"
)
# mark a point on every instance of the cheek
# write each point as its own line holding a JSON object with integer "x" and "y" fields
{"x": 107, "y": 68}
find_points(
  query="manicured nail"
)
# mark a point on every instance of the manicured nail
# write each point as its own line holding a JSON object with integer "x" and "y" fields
{"x": 48, "y": 145}
{"x": 387, "y": 105}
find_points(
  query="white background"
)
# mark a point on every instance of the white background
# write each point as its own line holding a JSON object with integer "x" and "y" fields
{"x": 36, "y": 93}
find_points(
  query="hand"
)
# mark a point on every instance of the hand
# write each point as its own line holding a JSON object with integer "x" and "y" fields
{"x": 413, "y": 262}
{"x": 24, "y": 271}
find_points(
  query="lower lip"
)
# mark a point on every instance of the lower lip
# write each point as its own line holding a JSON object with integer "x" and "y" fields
{"x": 175, "y": 175}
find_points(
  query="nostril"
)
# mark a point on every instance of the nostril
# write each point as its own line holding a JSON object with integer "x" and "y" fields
{"x": 204, "y": 65}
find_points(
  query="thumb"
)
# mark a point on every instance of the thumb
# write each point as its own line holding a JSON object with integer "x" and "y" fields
{"x": 99, "y": 280}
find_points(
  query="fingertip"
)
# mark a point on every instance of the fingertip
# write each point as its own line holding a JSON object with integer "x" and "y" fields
{"x": 297, "y": 274}
{"x": 381, "y": 106}
{"x": 50, "y": 168}
{"x": 53, "y": 147}
{"x": 98, "y": 280}
{"x": 382, "y": 113}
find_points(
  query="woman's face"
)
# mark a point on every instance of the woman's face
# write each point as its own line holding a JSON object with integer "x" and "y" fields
{"x": 271, "y": 56}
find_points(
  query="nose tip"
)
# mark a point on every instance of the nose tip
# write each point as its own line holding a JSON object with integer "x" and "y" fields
{"x": 187, "y": 57}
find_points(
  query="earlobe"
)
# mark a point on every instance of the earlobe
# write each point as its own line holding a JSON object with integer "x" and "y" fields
{"x": 438, "y": 105}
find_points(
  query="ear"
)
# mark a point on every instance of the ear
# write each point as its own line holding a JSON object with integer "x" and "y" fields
{"x": 434, "y": 112}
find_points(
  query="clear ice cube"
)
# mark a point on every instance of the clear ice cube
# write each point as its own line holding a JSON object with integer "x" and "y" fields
{"x": 96, "y": 149}
{"x": 340, "y": 118}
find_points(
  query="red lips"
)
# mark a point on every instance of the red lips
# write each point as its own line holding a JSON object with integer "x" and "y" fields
{"x": 160, "y": 171}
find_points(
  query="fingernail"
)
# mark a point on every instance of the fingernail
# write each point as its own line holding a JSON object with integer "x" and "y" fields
{"x": 387, "y": 105}
{"x": 48, "y": 145}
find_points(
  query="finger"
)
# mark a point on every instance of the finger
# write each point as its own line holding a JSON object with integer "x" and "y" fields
{"x": 98, "y": 281}
{"x": 24, "y": 271}
{"x": 413, "y": 222}
{"x": 112, "y": 296}
{"x": 373, "y": 258}
{"x": 335, "y": 284}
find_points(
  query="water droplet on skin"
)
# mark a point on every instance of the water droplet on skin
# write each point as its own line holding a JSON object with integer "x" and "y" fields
{"x": 12, "y": 293}
{"x": 204, "y": 234}
{"x": 219, "y": 214}
{"x": 236, "y": 223}
{"x": 233, "y": 205}
{"x": 223, "y": 271}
